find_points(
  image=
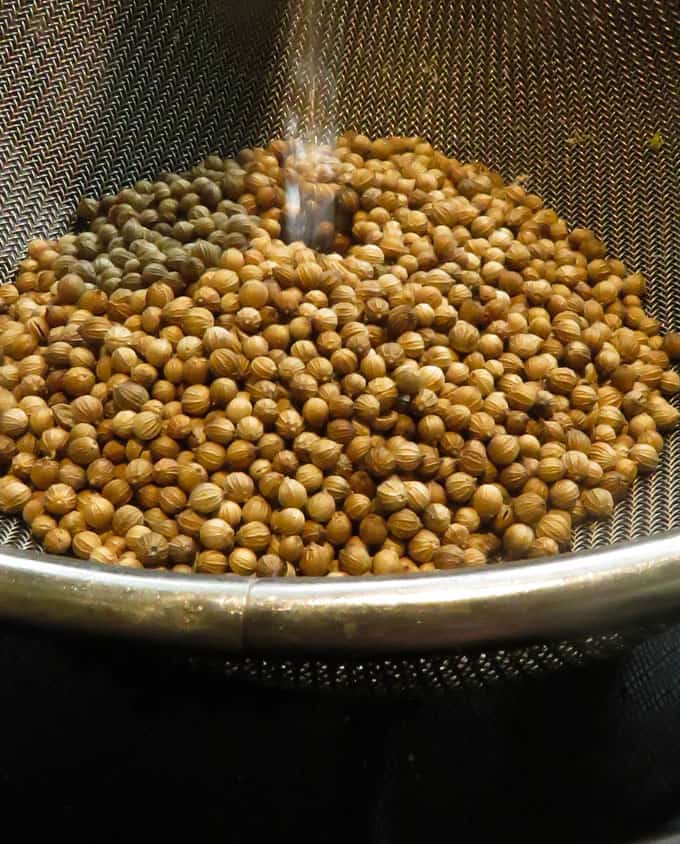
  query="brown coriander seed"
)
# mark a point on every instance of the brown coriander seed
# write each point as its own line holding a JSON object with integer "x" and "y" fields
{"x": 487, "y": 501}
{"x": 354, "y": 558}
{"x": 598, "y": 502}
{"x": 290, "y": 548}
{"x": 313, "y": 532}
{"x": 139, "y": 472}
{"x": 147, "y": 425}
{"x": 83, "y": 451}
{"x": 249, "y": 428}
{"x": 196, "y": 400}
{"x": 437, "y": 518}
{"x": 220, "y": 430}
{"x": 290, "y": 521}
{"x": 671, "y": 345}
{"x": 190, "y": 475}
{"x": 518, "y": 540}
{"x": 404, "y": 524}
{"x": 315, "y": 560}
{"x": 182, "y": 550}
{"x": 44, "y": 473}
{"x": 315, "y": 412}
{"x": 564, "y": 494}
{"x": 556, "y": 525}
{"x": 503, "y": 449}
{"x": 41, "y": 525}
{"x": 391, "y": 495}
{"x": 100, "y": 472}
{"x": 543, "y": 547}
{"x": 87, "y": 409}
{"x": 98, "y": 512}
{"x": 205, "y": 498}
{"x": 460, "y": 487}
{"x": 189, "y": 522}
{"x": 103, "y": 554}
{"x": 171, "y": 500}
{"x": 33, "y": 508}
{"x": 13, "y": 494}
{"x": 243, "y": 561}
{"x": 239, "y": 487}
{"x": 292, "y": 493}
{"x": 423, "y": 545}
{"x": 148, "y": 496}
{"x": 73, "y": 522}
{"x": 151, "y": 549}
{"x": 129, "y": 560}
{"x": 387, "y": 561}
{"x": 13, "y": 422}
{"x": 125, "y": 518}
{"x": 84, "y": 543}
{"x": 57, "y": 541}
{"x": 339, "y": 529}
{"x": 59, "y": 499}
{"x": 165, "y": 472}
{"x": 254, "y": 536}
{"x": 469, "y": 518}
{"x": 270, "y": 565}
{"x": 210, "y": 562}
{"x": 238, "y": 408}
{"x": 357, "y": 506}
{"x": 320, "y": 507}
{"x": 448, "y": 556}
{"x": 256, "y": 509}
{"x": 216, "y": 535}
{"x": 418, "y": 495}
{"x": 372, "y": 530}
{"x": 473, "y": 557}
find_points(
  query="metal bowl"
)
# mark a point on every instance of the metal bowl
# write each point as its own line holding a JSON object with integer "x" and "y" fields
{"x": 617, "y": 588}
{"x": 564, "y": 93}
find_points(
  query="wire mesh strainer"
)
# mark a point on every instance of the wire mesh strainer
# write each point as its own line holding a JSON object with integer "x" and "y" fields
{"x": 565, "y": 93}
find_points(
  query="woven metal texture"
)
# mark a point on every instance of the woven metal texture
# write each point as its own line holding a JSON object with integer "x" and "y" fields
{"x": 423, "y": 675}
{"x": 564, "y": 93}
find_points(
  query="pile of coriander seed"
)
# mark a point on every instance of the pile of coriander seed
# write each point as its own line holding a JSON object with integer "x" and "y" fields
{"x": 443, "y": 376}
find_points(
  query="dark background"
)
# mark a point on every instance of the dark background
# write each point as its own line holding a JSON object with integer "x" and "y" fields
{"x": 106, "y": 740}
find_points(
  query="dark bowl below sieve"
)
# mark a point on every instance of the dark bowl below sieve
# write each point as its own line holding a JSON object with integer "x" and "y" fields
{"x": 564, "y": 93}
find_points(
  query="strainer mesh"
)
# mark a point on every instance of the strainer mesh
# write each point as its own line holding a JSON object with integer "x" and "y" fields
{"x": 565, "y": 93}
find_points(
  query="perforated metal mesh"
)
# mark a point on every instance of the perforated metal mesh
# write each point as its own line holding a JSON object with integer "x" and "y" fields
{"x": 564, "y": 92}
{"x": 423, "y": 674}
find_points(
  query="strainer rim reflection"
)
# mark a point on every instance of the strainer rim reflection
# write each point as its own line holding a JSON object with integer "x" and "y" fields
{"x": 618, "y": 588}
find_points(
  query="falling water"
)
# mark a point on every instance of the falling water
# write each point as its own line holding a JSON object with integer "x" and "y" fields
{"x": 310, "y": 134}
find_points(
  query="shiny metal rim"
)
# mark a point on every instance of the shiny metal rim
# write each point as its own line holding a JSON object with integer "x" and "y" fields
{"x": 622, "y": 586}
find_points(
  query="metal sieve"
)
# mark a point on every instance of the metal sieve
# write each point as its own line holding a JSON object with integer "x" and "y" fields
{"x": 563, "y": 93}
